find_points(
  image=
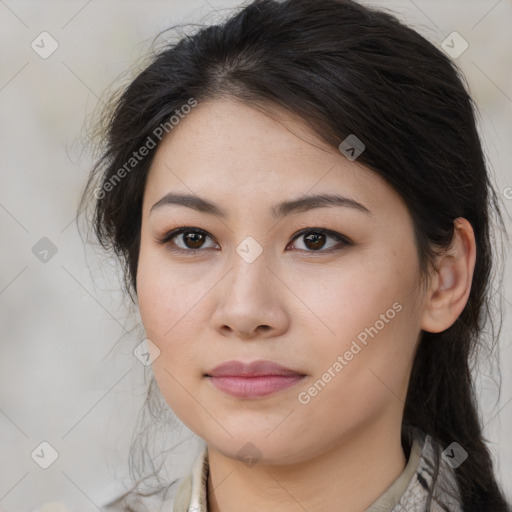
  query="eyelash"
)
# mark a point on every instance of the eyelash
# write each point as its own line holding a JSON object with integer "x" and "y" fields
{"x": 166, "y": 239}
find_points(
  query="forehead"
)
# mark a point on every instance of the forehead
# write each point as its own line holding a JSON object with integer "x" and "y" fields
{"x": 229, "y": 151}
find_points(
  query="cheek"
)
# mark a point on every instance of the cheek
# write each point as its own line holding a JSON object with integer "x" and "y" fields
{"x": 354, "y": 296}
{"x": 165, "y": 296}
{"x": 167, "y": 315}
{"x": 152, "y": 302}
{"x": 172, "y": 306}
{"x": 372, "y": 317}
{"x": 365, "y": 370}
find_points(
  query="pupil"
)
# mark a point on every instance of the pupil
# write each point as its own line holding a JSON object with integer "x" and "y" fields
{"x": 189, "y": 238}
{"x": 315, "y": 237}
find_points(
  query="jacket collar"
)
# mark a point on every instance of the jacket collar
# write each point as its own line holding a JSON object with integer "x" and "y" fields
{"x": 409, "y": 492}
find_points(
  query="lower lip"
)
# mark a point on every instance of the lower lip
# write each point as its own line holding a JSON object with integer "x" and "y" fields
{"x": 255, "y": 387}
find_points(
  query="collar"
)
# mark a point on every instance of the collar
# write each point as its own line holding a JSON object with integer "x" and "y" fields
{"x": 409, "y": 492}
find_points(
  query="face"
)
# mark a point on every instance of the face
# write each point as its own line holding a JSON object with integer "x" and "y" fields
{"x": 328, "y": 290}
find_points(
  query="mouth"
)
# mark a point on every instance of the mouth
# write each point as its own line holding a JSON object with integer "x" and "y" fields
{"x": 253, "y": 380}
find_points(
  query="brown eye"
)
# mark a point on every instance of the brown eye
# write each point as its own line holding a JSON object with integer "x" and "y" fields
{"x": 315, "y": 240}
{"x": 193, "y": 240}
{"x": 186, "y": 239}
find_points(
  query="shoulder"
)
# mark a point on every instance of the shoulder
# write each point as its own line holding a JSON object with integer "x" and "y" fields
{"x": 433, "y": 481}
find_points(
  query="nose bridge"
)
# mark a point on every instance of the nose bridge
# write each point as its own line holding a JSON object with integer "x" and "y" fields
{"x": 248, "y": 296}
{"x": 247, "y": 302}
{"x": 250, "y": 267}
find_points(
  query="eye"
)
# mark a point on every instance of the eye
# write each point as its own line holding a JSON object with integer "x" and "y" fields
{"x": 313, "y": 240}
{"x": 190, "y": 243}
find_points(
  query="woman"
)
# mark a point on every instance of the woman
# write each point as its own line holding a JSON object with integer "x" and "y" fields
{"x": 300, "y": 201}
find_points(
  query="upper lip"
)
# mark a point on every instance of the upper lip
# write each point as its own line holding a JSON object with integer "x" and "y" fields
{"x": 252, "y": 369}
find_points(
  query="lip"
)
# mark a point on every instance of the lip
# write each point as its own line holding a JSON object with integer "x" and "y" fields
{"x": 252, "y": 369}
{"x": 253, "y": 380}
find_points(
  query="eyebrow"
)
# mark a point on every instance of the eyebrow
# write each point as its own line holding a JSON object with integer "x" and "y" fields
{"x": 280, "y": 210}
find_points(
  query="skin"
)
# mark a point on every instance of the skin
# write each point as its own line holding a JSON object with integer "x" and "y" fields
{"x": 293, "y": 304}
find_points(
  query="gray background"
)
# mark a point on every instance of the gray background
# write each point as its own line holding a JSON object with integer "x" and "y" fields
{"x": 68, "y": 375}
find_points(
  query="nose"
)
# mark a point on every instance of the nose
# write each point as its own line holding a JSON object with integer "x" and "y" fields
{"x": 251, "y": 302}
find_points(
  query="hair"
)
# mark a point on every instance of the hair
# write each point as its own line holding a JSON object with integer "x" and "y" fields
{"x": 345, "y": 69}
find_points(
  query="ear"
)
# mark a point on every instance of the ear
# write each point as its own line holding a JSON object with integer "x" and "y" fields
{"x": 451, "y": 283}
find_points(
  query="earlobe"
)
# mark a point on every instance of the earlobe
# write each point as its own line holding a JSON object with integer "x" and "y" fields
{"x": 451, "y": 285}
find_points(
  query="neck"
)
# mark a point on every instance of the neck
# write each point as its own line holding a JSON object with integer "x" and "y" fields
{"x": 348, "y": 476}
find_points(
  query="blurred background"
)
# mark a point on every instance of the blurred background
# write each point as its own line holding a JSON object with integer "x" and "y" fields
{"x": 70, "y": 386}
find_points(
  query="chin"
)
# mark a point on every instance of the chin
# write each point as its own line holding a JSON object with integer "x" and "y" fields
{"x": 259, "y": 449}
